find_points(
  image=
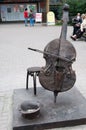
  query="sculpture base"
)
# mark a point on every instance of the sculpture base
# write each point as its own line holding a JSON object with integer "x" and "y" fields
{"x": 69, "y": 110}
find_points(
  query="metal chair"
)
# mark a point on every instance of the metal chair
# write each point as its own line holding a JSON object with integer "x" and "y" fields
{"x": 34, "y": 72}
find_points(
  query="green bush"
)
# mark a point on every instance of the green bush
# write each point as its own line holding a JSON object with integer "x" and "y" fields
{"x": 58, "y": 22}
{"x": 75, "y": 6}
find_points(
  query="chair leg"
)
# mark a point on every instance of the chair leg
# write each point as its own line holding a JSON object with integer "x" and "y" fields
{"x": 27, "y": 78}
{"x": 34, "y": 83}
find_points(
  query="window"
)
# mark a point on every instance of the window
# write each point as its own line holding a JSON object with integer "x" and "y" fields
{"x": 9, "y": 10}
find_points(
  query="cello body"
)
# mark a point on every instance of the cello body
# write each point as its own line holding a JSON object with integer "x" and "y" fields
{"x": 58, "y": 75}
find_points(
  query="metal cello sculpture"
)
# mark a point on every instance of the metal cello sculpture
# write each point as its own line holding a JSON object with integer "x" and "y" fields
{"x": 57, "y": 75}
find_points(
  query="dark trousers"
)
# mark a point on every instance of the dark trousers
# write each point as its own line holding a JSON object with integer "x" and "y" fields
{"x": 79, "y": 33}
{"x": 75, "y": 29}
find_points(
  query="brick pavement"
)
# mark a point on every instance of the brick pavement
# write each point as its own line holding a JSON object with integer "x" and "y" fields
{"x": 5, "y": 110}
{"x": 15, "y": 59}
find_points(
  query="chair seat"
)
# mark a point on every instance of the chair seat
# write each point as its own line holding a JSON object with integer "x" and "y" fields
{"x": 34, "y": 69}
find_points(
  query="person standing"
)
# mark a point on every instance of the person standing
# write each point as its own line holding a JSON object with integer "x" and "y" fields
{"x": 26, "y": 16}
{"x": 32, "y": 18}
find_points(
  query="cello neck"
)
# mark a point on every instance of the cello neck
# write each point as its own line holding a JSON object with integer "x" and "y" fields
{"x": 65, "y": 20}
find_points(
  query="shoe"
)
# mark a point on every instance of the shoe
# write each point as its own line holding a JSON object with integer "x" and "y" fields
{"x": 73, "y": 38}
